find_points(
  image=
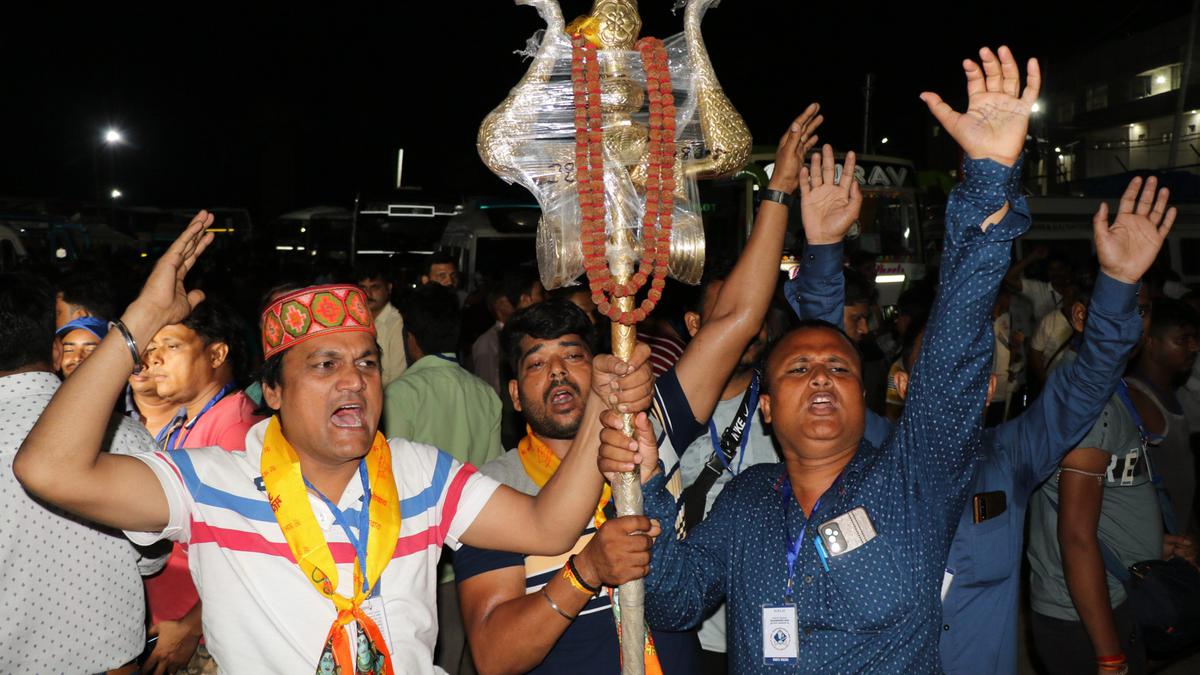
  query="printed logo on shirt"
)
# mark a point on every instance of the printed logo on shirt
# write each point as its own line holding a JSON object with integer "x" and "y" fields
{"x": 1123, "y": 470}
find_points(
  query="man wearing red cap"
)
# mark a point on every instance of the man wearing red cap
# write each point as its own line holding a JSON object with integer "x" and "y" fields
{"x": 314, "y": 549}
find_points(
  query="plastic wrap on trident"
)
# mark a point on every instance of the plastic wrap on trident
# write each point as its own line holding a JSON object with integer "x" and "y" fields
{"x": 530, "y": 139}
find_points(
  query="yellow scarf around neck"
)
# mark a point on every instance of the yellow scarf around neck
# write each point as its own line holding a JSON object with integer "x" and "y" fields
{"x": 288, "y": 496}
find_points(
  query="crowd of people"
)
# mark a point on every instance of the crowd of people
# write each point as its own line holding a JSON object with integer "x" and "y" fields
{"x": 380, "y": 480}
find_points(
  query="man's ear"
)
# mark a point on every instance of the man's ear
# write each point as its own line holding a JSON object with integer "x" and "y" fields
{"x": 991, "y": 390}
{"x": 271, "y": 396}
{"x": 1078, "y": 316}
{"x": 901, "y": 381}
{"x": 514, "y": 392}
{"x": 764, "y": 404}
{"x": 218, "y": 352}
{"x": 56, "y": 354}
{"x": 692, "y": 321}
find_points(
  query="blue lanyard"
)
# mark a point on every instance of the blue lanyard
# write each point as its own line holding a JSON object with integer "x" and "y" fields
{"x": 794, "y": 546}
{"x": 174, "y": 441}
{"x": 1123, "y": 392}
{"x": 716, "y": 441}
{"x": 364, "y": 521}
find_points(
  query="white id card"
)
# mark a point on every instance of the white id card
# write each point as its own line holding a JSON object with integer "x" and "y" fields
{"x": 947, "y": 580}
{"x": 781, "y": 641}
{"x": 373, "y": 608}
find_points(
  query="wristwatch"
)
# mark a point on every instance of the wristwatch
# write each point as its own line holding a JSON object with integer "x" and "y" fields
{"x": 778, "y": 196}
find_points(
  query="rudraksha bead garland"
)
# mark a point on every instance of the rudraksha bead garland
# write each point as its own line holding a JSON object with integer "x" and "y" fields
{"x": 660, "y": 179}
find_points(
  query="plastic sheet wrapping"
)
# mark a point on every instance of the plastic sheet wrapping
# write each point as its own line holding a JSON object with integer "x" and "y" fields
{"x": 530, "y": 140}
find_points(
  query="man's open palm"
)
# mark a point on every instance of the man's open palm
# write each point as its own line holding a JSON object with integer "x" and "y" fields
{"x": 1129, "y": 246}
{"x": 997, "y": 118}
{"x": 828, "y": 206}
{"x": 164, "y": 291}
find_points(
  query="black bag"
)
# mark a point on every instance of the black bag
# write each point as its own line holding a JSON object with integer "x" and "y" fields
{"x": 1165, "y": 598}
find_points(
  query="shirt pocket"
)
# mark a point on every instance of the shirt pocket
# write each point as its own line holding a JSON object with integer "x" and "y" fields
{"x": 990, "y": 551}
{"x": 868, "y": 589}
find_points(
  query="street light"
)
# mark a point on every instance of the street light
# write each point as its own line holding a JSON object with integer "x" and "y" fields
{"x": 1036, "y": 107}
{"x": 883, "y": 141}
{"x": 113, "y": 136}
{"x": 116, "y": 194}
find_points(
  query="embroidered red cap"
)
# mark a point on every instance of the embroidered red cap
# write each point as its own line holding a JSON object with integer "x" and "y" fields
{"x": 313, "y": 311}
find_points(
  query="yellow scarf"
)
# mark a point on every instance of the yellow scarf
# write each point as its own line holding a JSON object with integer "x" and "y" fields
{"x": 540, "y": 463}
{"x": 289, "y": 500}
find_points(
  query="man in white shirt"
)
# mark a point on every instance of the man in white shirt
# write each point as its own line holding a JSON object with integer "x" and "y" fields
{"x": 389, "y": 325}
{"x": 282, "y": 535}
{"x": 72, "y": 596}
{"x": 1052, "y": 334}
{"x": 1046, "y": 296}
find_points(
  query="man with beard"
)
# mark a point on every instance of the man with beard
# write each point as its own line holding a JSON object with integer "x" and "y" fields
{"x": 547, "y": 614}
{"x": 510, "y": 628}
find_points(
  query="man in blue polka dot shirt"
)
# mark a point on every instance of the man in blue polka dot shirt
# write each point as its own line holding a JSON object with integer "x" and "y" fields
{"x": 832, "y": 560}
{"x": 982, "y": 583}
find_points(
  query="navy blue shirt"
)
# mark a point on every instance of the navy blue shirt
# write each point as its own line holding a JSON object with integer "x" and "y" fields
{"x": 979, "y": 625}
{"x": 875, "y": 608}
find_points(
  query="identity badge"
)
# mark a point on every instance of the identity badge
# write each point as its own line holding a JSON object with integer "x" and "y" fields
{"x": 373, "y": 607}
{"x": 781, "y": 643}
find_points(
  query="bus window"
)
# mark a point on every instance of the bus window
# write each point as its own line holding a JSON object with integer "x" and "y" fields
{"x": 887, "y": 225}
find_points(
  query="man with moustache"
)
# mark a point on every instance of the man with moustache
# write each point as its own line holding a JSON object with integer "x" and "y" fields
{"x": 549, "y": 614}
{"x": 194, "y": 365}
{"x": 289, "y": 583}
{"x": 831, "y": 561}
{"x": 548, "y": 346}
{"x": 981, "y": 587}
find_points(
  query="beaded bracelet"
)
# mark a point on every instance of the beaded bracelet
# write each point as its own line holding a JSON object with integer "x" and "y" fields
{"x": 555, "y": 607}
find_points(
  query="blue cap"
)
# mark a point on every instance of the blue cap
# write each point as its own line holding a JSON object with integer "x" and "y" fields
{"x": 91, "y": 324}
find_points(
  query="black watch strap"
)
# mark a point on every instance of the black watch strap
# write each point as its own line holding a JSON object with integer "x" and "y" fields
{"x": 778, "y": 196}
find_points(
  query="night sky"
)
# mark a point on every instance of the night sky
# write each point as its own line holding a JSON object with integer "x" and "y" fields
{"x": 274, "y": 108}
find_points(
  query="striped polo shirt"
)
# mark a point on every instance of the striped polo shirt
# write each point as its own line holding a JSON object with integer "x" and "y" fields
{"x": 260, "y": 613}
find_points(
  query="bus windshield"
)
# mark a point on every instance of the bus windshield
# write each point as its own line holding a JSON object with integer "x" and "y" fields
{"x": 888, "y": 225}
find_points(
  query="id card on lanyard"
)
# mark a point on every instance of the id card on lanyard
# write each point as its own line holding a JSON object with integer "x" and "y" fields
{"x": 780, "y": 626}
{"x": 373, "y": 605}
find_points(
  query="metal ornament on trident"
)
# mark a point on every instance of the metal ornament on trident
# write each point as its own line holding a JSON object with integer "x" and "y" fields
{"x": 610, "y": 133}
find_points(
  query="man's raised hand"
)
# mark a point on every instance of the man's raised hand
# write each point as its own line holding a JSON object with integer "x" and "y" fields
{"x": 793, "y": 146}
{"x": 997, "y": 118}
{"x": 1129, "y": 246}
{"x": 829, "y": 207}
{"x": 163, "y": 296}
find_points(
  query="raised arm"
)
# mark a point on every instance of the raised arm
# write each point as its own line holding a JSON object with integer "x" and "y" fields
{"x": 944, "y": 408}
{"x": 746, "y": 294}
{"x": 60, "y": 461}
{"x": 1076, "y": 393}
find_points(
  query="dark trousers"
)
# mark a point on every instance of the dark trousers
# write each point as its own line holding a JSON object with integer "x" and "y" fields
{"x": 713, "y": 663}
{"x": 1065, "y": 648}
